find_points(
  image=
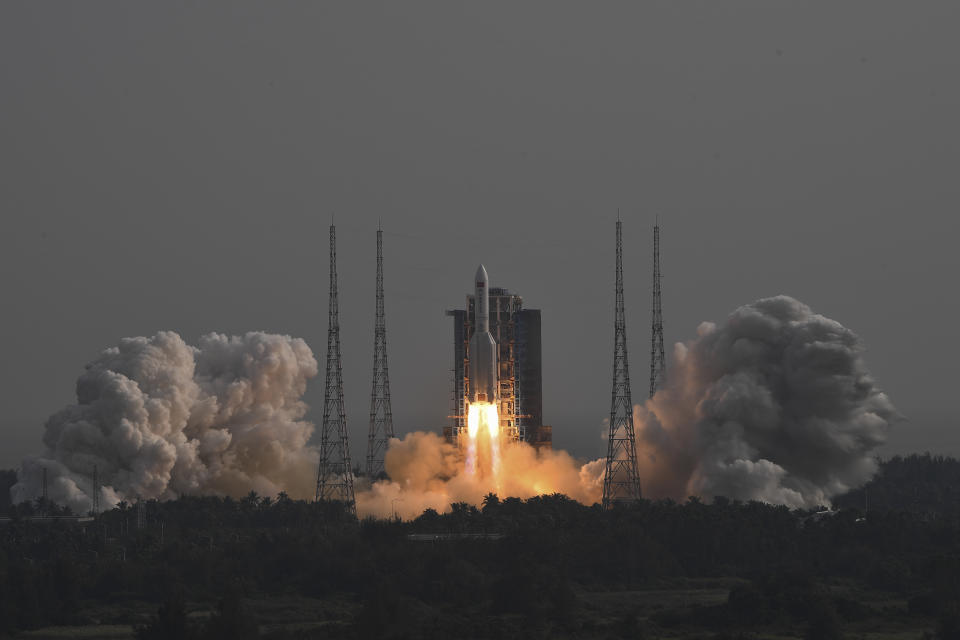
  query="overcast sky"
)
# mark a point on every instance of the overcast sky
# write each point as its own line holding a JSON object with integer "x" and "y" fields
{"x": 175, "y": 166}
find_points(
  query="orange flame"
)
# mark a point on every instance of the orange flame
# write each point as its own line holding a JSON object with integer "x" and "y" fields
{"x": 483, "y": 440}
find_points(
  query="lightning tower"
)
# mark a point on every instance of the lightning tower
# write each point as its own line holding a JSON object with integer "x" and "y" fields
{"x": 620, "y": 482}
{"x": 658, "y": 363}
{"x": 334, "y": 477}
{"x": 381, "y": 416}
{"x": 96, "y": 491}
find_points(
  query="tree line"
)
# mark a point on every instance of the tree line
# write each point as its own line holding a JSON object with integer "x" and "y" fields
{"x": 526, "y": 580}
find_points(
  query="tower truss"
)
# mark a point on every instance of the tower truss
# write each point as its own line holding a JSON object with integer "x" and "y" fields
{"x": 381, "y": 415}
{"x": 620, "y": 482}
{"x": 95, "y": 507}
{"x": 658, "y": 363}
{"x": 335, "y": 475}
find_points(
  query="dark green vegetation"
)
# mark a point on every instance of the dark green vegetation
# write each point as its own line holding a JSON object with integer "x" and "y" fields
{"x": 8, "y": 477}
{"x": 222, "y": 568}
{"x": 918, "y": 484}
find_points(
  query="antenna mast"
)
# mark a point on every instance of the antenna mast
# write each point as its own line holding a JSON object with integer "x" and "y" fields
{"x": 620, "y": 482}
{"x": 334, "y": 476}
{"x": 381, "y": 415}
{"x": 658, "y": 363}
{"x": 96, "y": 491}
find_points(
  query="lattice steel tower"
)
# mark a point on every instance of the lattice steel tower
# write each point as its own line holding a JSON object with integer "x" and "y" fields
{"x": 381, "y": 416}
{"x": 96, "y": 491}
{"x": 334, "y": 477}
{"x": 620, "y": 482}
{"x": 658, "y": 363}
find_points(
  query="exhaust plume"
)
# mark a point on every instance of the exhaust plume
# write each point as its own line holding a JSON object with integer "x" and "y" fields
{"x": 427, "y": 472}
{"x": 775, "y": 404}
{"x": 159, "y": 418}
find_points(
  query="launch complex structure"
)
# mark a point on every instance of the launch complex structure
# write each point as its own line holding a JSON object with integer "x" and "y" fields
{"x": 516, "y": 358}
{"x": 497, "y": 360}
{"x": 621, "y": 478}
{"x": 334, "y": 474}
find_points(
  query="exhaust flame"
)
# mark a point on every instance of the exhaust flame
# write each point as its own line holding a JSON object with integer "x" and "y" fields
{"x": 483, "y": 440}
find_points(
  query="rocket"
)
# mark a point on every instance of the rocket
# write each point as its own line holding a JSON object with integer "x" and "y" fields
{"x": 484, "y": 369}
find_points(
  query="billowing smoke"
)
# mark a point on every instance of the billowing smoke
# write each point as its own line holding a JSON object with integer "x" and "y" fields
{"x": 775, "y": 404}
{"x": 160, "y": 418}
{"x": 427, "y": 472}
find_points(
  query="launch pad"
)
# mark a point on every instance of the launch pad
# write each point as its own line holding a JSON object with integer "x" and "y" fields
{"x": 515, "y": 332}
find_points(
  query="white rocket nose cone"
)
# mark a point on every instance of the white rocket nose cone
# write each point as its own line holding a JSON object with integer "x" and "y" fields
{"x": 481, "y": 274}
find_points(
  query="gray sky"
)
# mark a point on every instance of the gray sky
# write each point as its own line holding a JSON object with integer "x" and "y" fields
{"x": 175, "y": 166}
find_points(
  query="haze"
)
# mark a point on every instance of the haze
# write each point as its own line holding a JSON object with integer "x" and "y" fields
{"x": 176, "y": 166}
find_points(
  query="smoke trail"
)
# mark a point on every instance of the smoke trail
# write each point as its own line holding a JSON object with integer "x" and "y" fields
{"x": 775, "y": 404}
{"x": 160, "y": 418}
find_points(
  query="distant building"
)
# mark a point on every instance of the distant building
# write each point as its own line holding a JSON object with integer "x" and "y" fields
{"x": 517, "y": 333}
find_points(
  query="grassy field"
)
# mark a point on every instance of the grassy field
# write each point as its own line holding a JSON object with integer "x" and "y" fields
{"x": 88, "y": 632}
{"x": 598, "y": 613}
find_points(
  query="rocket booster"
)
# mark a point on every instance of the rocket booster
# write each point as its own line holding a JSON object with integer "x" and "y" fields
{"x": 484, "y": 369}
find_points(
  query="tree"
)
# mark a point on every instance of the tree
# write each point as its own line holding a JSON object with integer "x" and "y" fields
{"x": 948, "y": 627}
{"x": 170, "y": 623}
{"x": 824, "y": 623}
{"x": 231, "y": 621}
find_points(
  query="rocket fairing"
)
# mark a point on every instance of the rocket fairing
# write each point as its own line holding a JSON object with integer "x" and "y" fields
{"x": 484, "y": 369}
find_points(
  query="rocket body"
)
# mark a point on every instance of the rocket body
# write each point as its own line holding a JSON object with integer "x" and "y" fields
{"x": 484, "y": 369}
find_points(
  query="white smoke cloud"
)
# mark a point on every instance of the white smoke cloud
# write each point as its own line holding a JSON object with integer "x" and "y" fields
{"x": 775, "y": 404}
{"x": 160, "y": 418}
